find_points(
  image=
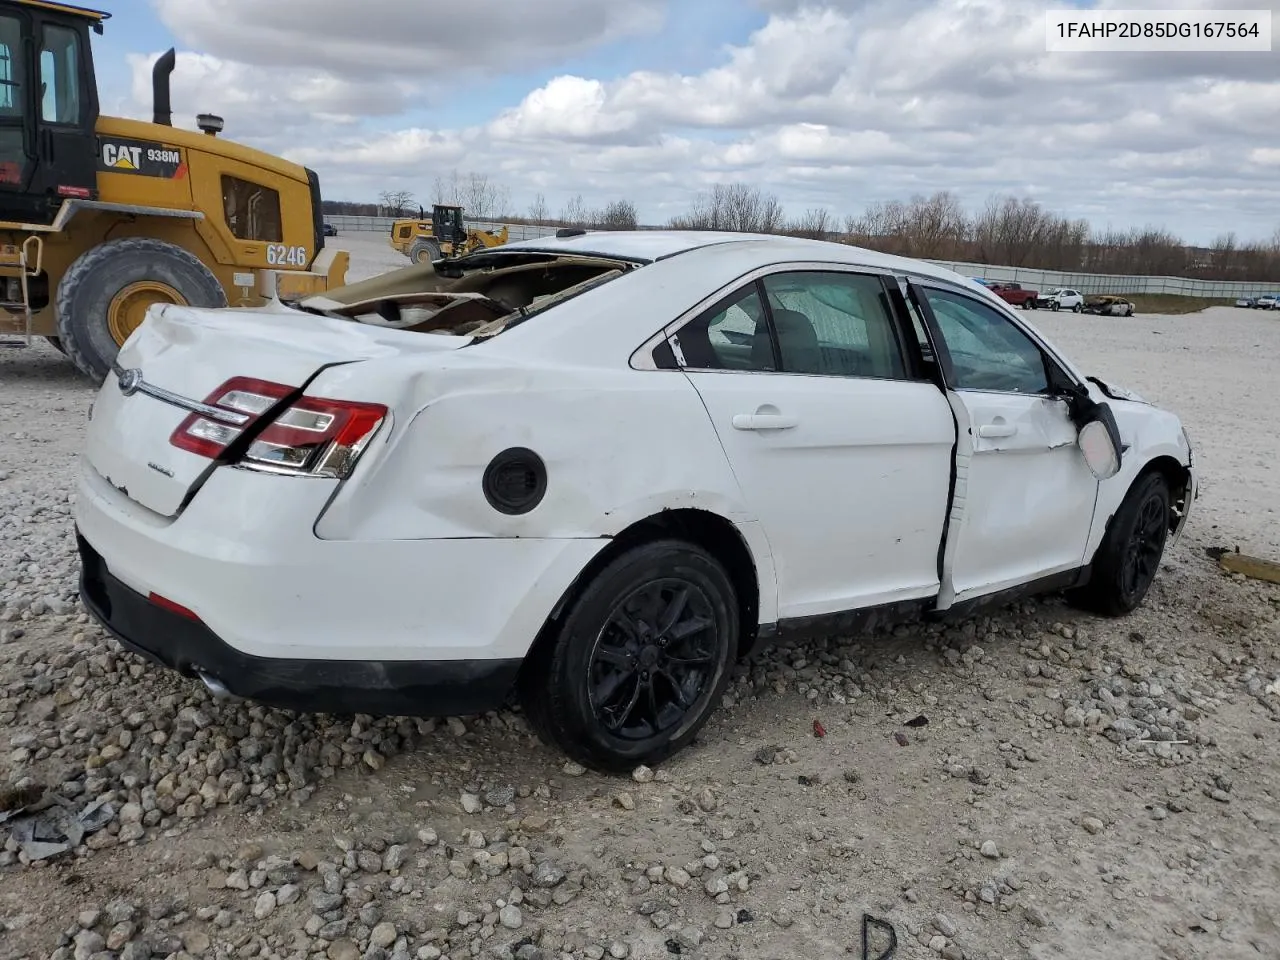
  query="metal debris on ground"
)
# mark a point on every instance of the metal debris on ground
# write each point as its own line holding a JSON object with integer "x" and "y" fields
{"x": 1255, "y": 568}
{"x": 45, "y": 826}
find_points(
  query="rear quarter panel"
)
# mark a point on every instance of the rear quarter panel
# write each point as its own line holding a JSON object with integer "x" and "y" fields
{"x": 619, "y": 445}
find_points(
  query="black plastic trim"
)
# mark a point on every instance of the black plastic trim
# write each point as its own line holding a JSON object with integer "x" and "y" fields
{"x": 395, "y": 688}
{"x": 317, "y": 209}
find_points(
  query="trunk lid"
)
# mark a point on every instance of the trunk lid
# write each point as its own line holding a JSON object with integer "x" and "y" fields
{"x": 180, "y": 355}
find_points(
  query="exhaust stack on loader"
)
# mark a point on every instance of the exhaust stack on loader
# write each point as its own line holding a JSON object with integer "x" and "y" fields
{"x": 102, "y": 218}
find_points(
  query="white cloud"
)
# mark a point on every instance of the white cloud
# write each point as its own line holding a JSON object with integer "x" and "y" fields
{"x": 273, "y": 104}
{"x": 567, "y": 107}
{"x": 428, "y": 39}
{"x": 832, "y": 102}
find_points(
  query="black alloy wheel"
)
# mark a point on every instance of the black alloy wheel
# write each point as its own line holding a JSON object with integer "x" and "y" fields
{"x": 1145, "y": 545}
{"x": 640, "y": 659}
{"x": 653, "y": 659}
{"x": 1129, "y": 556}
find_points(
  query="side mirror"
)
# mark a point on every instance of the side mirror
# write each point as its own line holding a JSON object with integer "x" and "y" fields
{"x": 1099, "y": 441}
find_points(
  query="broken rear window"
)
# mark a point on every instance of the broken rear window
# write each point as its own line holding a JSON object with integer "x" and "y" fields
{"x": 481, "y": 303}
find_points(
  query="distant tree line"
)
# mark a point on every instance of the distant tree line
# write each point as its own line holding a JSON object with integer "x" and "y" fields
{"x": 1007, "y": 231}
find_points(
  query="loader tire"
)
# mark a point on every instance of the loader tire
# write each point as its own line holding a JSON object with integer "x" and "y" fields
{"x": 105, "y": 293}
{"x": 424, "y": 251}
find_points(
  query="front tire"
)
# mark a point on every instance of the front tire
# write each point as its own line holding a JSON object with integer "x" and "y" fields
{"x": 424, "y": 250}
{"x": 1129, "y": 556}
{"x": 640, "y": 660}
{"x": 105, "y": 294}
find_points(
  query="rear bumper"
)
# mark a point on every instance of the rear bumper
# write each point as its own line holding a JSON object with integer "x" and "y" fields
{"x": 244, "y": 557}
{"x": 379, "y": 688}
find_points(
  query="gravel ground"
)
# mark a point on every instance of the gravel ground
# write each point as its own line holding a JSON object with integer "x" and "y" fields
{"x": 1033, "y": 784}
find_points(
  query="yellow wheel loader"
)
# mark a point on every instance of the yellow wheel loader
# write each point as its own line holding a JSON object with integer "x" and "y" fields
{"x": 444, "y": 235}
{"x": 102, "y": 217}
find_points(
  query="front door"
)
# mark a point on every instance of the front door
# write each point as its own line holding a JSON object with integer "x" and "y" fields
{"x": 1025, "y": 496}
{"x": 841, "y": 449}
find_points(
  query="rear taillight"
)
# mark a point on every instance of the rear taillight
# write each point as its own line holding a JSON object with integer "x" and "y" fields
{"x": 316, "y": 436}
{"x": 229, "y": 411}
{"x": 313, "y": 436}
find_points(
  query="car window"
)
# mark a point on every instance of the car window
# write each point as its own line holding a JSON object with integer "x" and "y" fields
{"x": 988, "y": 352}
{"x": 732, "y": 335}
{"x": 834, "y": 324}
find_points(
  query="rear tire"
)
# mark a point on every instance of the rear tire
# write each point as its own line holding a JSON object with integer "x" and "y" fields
{"x": 423, "y": 250}
{"x": 1129, "y": 556}
{"x": 634, "y": 671}
{"x": 104, "y": 294}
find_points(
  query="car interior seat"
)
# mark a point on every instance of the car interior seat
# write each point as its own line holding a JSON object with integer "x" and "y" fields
{"x": 797, "y": 339}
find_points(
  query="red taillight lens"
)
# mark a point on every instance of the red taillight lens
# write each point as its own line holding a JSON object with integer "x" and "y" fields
{"x": 316, "y": 436}
{"x": 233, "y": 407}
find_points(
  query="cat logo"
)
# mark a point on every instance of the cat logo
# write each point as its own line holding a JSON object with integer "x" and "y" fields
{"x": 140, "y": 158}
{"x": 121, "y": 156}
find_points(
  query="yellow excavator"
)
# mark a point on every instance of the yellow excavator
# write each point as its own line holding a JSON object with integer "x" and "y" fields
{"x": 444, "y": 235}
{"x": 101, "y": 217}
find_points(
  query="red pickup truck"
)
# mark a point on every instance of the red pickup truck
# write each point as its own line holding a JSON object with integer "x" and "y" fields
{"x": 1012, "y": 292}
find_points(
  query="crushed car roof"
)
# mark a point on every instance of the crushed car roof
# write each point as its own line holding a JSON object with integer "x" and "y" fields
{"x": 649, "y": 246}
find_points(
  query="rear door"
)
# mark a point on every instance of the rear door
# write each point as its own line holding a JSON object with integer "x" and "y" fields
{"x": 1025, "y": 496}
{"x": 841, "y": 449}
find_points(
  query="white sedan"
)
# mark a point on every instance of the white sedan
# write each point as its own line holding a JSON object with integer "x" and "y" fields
{"x": 588, "y": 473}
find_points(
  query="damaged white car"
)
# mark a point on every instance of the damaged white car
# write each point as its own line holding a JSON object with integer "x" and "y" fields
{"x": 588, "y": 473}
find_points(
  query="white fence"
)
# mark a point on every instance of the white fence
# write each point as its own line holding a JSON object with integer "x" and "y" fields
{"x": 1041, "y": 280}
{"x": 516, "y": 231}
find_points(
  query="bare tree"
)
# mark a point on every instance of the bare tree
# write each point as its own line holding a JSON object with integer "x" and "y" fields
{"x": 1020, "y": 232}
{"x": 538, "y": 212}
{"x": 618, "y": 215}
{"x": 816, "y": 224}
{"x": 575, "y": 213}
{"x": 395, "y": 201}
{"x": 479, "y": 196}
{"x": 448, "y": 191}
{"x": 734, "y": 207}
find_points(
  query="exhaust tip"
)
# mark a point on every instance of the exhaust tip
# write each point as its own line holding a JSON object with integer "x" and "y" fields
{"x": 216, "y": 687}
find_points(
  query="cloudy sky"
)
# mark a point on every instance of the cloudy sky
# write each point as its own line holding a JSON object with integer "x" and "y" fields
{"x": 834, "y": 103}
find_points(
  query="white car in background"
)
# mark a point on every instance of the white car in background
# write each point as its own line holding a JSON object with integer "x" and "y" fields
{"x": 590, "y": 472}
{"x": 1063, "y": 298}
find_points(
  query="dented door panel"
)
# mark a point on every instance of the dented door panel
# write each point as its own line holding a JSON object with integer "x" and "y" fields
{"x": 1024, "y": 499}
{"x": 1028, "y": 499}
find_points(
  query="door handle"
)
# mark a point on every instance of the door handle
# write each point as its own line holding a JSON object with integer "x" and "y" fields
{"x": 997, "y": 428}
{"x": 763, "y": 421}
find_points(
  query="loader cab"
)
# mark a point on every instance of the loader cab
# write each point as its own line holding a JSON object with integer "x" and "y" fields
{"x": 48, "y": 108}
{"x": 447, "y": 225}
